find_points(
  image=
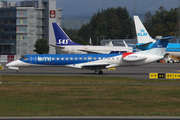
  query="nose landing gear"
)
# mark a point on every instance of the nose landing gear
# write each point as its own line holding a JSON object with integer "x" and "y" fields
{"x": 17, "y": 72}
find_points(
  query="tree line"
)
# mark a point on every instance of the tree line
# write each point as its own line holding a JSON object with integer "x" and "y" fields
{"x": 113, "y": 23}
{"x": 164, "y": 23}
{"x": 116, "y": 23}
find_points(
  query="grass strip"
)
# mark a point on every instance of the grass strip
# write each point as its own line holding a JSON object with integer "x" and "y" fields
{"x": 80, "y": 79}
{"x": 89, "y": 100}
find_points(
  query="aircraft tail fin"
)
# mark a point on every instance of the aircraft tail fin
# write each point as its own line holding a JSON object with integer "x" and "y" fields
{"x": 61, "y": 36}
{"x": 141, "y": 32}
{"x": 159, "y": 47}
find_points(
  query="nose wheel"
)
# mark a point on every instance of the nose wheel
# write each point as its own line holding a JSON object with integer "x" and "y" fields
{"x": 17, "y": 72}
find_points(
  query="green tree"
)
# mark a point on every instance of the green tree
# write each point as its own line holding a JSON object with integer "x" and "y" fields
{"x": 111, "y": 23}
{"x": 114, "y": 26}
{"x": 147, "y": 20}
{"x": 162, "y": 23}
{"x": 41, "y": 46}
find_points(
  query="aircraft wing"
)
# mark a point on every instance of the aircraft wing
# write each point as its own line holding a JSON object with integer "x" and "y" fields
{"x": 60, "y": 47}
{"x": 89, "y": 52}
{"x": 95, "y": 65}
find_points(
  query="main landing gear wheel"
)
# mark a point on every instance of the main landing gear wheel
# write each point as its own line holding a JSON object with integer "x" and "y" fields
{"x": 17, "y": 72}
{"x": 99, "y": 72}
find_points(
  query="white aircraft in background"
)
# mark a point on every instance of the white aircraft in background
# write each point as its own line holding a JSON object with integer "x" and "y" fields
{"x": 66, "y": 45}
{"x": 145, "y": 42}
{"x": 95, "y": 62}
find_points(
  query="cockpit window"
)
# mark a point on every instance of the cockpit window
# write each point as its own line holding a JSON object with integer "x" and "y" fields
{"x": 24, "y": 58}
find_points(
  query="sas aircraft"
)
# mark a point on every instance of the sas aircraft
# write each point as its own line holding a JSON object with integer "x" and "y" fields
{"x": 145, "y": 42}
{"x": 95, "y": 62}
{"x": 66, "y": 45}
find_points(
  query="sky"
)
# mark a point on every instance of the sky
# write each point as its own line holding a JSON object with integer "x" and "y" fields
{"x": 89, "y": 7}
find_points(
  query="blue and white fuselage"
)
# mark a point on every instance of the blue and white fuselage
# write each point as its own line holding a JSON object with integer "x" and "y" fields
{"x": 93, "y": 61}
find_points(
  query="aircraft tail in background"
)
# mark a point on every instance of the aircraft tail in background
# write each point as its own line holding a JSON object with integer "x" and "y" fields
{"x": 61, "y": 37}
{"x": 144, "y": 39}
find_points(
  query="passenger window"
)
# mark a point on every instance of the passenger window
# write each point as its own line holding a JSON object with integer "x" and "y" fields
{"x": 94, "y": 58}
{"x": 75, "y": 58}
{"x": 62, "y": 58}
{"x": 52, "y": 58}
{"x": 71, "y": 58}
{"x": 80, "y": 58}
{"x": 57, "y": 58}
{"x": 84, "y": 58}
{"x": 99, "y": 58}
{"x": 66, "y": 58}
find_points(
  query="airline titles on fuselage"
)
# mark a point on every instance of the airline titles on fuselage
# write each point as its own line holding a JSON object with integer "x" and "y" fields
{"x": 49, "y": 59}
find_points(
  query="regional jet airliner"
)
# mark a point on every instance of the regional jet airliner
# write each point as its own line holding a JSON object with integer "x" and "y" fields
{"x": 95, "y": 62}
{"x": 66, "y": 45}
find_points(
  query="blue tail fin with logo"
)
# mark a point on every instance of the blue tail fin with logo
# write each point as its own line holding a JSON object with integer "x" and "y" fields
{"x": 61, "y": 37}
{"x": 162, "y": 43}
{"x": 159, "y": 47}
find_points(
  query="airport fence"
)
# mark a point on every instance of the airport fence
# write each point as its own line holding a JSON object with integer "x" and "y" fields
{"x": 9, "y": 58}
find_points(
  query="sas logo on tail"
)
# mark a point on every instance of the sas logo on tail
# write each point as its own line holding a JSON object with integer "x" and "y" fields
{"x": 63, "y": 41}
{"x": 142, "y": 33}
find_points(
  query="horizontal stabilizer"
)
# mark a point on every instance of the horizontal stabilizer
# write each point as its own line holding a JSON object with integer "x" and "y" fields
{"x": 144, "y": 46}
{"x": 59, "y": 47}
{"x": 165, "y": 38}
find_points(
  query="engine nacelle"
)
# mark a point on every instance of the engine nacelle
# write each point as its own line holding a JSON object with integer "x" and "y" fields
{"x": 133, "y": 57}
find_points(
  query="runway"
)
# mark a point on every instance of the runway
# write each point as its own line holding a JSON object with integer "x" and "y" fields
{"x": 139, "y": 72}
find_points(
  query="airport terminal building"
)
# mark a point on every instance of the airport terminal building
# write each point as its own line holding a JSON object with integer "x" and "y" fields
{"x": 21, "y": 26}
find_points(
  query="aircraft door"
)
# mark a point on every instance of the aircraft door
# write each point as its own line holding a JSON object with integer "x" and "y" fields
{"x": 32, "y": 59}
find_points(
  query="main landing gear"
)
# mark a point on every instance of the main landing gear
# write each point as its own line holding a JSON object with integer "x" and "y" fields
{"x": 99, "y": 72}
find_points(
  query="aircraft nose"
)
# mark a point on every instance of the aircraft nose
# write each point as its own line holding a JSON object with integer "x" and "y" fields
{"x": 13, "y": 63}
{"x": 10, "y": 64}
